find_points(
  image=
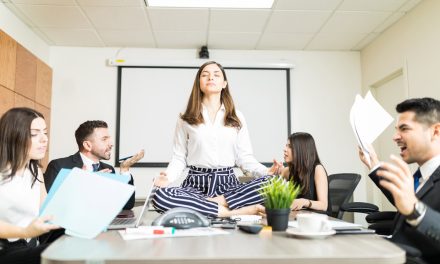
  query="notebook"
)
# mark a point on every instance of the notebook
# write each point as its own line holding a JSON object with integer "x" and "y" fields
{"x": 122, "y": 223}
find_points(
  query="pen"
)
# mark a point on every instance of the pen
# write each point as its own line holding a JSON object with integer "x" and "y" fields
{"x": 151, "y": 230}
{"x": 126, "y": 158}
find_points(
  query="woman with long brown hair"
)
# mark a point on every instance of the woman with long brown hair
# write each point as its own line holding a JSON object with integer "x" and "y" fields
{"x": 211, "y": 138}
{"x": 304, "y": 168}
{"x": 23, "y": 143}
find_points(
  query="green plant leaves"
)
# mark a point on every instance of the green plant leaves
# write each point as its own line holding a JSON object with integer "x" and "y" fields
{"x": 279, "y": 193}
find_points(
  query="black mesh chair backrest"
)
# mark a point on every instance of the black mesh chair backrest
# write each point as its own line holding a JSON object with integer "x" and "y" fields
{"x": 341, "y": 187}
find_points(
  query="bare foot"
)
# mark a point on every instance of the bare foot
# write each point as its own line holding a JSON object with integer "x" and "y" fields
{"x": 256, "y": 209}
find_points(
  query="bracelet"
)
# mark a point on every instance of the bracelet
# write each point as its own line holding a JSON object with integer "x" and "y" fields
{"x": 310, "y": 204}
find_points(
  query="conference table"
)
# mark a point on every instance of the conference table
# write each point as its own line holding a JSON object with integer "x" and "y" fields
{"x": 236, "y": 247}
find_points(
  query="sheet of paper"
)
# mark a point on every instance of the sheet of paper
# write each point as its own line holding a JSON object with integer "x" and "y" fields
{"x": 247, "y": 218}
{"x": 199, "y": 231}
{"x": 335, "y": 224}
{"x": 84, "y": 203}
{"x": 368, "y": 120}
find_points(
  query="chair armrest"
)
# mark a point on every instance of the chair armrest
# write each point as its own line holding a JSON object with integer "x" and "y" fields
{"x": 380, "y": 216}
{"x": 359, "y": 207}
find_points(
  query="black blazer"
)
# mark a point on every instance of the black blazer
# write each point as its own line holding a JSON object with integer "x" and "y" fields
{"x": 425, "y": 236}
{"x": 75, "y": 161}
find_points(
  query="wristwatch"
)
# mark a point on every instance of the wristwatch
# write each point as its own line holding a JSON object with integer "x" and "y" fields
{"x": 419, "y": 209}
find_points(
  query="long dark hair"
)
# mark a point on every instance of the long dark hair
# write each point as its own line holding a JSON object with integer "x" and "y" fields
{"x": 193, "y": 114}
{"x": 304, "y": 159}
{"x": 15, "y": 142}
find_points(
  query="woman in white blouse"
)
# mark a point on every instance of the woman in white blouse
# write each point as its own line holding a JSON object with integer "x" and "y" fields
{"x": 23, "y": 142}
{"x": 211, "y": 138}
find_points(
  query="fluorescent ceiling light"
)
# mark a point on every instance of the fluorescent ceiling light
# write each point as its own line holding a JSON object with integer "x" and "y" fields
{"x": 211, "y": 3}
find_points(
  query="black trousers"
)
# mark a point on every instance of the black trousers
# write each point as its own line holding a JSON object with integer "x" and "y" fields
{"x": 20, "y": 252}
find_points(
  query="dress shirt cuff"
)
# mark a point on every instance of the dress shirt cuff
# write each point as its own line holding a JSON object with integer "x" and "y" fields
{"x": 374, "y": 168}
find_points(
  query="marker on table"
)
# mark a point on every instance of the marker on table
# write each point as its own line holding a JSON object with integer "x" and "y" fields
{"x": 126, "y": 158}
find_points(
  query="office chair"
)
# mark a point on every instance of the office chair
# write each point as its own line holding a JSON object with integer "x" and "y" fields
{"x": 381, "y": 222}
{"x": 341, "y": 187}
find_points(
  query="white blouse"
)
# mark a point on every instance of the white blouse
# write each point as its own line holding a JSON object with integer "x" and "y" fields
{"x": 212, "y": 145}
{"x": 19, "y": 200}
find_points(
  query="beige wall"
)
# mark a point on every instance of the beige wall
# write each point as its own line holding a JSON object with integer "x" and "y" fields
{"x": 411, "y": 47}
{"x": 412, "y": 44}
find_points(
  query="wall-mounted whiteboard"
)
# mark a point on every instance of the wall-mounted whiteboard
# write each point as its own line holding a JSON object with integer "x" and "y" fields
{"x": 151, "y": 98}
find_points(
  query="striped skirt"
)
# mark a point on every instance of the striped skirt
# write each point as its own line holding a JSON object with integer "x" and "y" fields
{"x": 202, "y": 183}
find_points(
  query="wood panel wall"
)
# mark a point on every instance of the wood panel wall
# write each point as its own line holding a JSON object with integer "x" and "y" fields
{"x": 25, "y": 80}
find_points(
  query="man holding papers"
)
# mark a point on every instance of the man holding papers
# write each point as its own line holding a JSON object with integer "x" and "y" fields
{"x": 95, "y": 144}
{"x": 417, "y": 198}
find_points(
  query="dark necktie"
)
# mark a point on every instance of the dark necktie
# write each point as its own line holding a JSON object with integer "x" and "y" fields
{"x": 95, "y": 166}
{"x": 417, "y": 176}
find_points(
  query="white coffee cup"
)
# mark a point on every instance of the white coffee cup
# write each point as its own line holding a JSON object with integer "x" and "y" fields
{"x": 313, "y": 223}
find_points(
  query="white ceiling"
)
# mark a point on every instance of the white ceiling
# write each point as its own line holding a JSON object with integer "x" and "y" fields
{"x": 288, "y": 25}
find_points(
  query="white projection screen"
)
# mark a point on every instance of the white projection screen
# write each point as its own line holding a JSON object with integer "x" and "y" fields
{"x": 151, "y": 98}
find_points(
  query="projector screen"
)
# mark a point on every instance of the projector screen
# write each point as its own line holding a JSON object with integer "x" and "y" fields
{"x": 151, "y": 98}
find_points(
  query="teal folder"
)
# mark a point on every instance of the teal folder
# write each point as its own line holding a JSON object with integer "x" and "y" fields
{"x": 84, "y": 203}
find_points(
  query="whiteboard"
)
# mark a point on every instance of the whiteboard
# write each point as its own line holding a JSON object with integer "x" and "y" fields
{"x": 151, "y": 98}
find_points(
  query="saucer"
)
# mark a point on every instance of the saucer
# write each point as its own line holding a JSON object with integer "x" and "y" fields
{"x": 314, "y": 235}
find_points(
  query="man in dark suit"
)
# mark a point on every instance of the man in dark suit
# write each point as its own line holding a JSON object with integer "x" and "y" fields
{"x": 417, "y": 198}
{"x": 94, "y": 145}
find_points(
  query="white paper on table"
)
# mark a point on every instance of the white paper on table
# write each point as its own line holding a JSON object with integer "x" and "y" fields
{"x": 335, "y": 224}
{"x": 85, "y": 203}
{"x": 198, "y": 231}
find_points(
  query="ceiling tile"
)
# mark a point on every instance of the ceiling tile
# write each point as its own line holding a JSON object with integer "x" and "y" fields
{"x": 287, "y": 41}
{"x": 297, "y": 21}
{"x": 389, "y": 21}
{"x": 124, "y": 38}
{"x": 178, "y": 19}
{"x": 354, "y": 22}
{"x": 371, "y": 5}
{"x": 111, "y": 3}
{"x": 365, "y": 41}
{"x": 43, "y": 16}
{"x": 409, "y": 5}
{"x": 307, "y": 4}
{"x": 73, "y": 37}
{"x": 20, "y": 15}
{"x": 108, "y": 17}
{"x": 250, "y": 20}
{"x": 234, "y": 40}
{"x": 44, "y": 2}
{"x": 335, "y": 41}
{"x": 180, "y": 39}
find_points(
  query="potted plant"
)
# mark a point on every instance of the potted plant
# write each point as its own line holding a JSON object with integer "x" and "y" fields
{"x": 278, "y": 195}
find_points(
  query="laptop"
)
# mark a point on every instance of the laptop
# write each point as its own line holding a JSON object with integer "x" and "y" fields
{"x": 122, "y": 223}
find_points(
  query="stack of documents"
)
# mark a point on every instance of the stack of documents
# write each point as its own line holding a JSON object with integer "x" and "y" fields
{"x": 84, "y": 203}
{"x": 368, "y": 120}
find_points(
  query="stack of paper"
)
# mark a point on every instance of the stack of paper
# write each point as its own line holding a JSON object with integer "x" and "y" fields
{"x": 84, "y": 203}
{"x": 368, "y": 120}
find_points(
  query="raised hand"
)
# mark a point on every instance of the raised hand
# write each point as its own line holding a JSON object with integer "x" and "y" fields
{"x": 373, "y": 161}
{"x": 126, "y": 164}
{"x": 398, "y": 180}
{"x": 162, "y": 180}
{"x": 276, "y": 169}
